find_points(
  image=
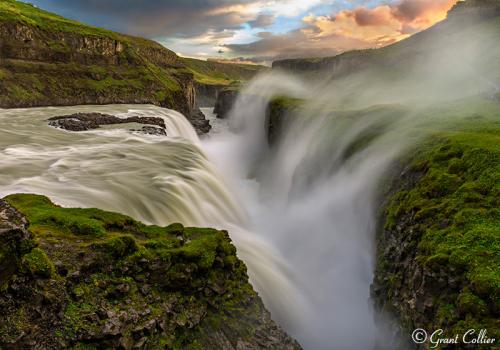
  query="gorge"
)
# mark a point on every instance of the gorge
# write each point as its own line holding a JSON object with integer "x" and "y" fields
{"x": 361, "y": 192}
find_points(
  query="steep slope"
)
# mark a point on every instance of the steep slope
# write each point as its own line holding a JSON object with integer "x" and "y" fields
{"x": 87, "y": 279}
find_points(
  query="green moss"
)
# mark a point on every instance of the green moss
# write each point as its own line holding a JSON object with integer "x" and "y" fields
{"x": 453, "y": 208}
{"x": 38, "y": 263}
{"x": 120, "y": 246}
{"x": 468, "y": 303}
{"x": 3, "y": 74}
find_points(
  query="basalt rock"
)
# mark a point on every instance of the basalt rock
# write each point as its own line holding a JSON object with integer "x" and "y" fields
{"x": 89, "y": 121}
{"x": 95, "y": 279}
{"x": 225, "y": 101}
{"x": 199, "y": 122}
{"x": 15, "y": 240}
{"x": 206, "y": 94}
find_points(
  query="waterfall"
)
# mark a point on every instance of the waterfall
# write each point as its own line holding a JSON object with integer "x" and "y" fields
{"x": 313, "y": 196}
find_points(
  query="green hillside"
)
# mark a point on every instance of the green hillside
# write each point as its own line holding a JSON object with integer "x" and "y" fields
{"x": 46, "y": 59}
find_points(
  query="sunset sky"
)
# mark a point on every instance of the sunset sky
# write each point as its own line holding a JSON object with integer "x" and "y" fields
{"x": 258, "y": 30}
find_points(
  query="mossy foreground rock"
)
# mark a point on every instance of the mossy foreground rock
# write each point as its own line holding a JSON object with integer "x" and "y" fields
{"x": 89, "y": 279}
{"x": 438, "y": 264}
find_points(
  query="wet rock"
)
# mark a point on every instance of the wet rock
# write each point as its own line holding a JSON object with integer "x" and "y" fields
{"x": 225, "y": 101}
{"x": 89, "y": 121}
{"x": 199, "y": 122}
{"x": 151, "y": 130}
{"x": 15, "y": 239}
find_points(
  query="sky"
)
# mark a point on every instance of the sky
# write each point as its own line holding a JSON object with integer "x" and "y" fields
{"x": 258, "y": 31}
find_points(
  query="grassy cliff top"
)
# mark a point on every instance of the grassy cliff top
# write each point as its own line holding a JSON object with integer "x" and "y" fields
{"x": 217, "y": 73}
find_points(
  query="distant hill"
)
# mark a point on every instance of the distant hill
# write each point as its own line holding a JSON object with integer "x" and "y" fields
{"x": 46, "y": 59}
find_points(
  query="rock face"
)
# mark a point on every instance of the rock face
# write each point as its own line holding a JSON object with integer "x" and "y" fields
{"x": 46, "y": 60}
{"x": 437, "y": 243}
{"x": 225, "y": 101}
{"x": 206, "y": 94}
{"x": 199, "y": 122}
{"x": 278, "y": 111}
{"x": 15, "y": 240}
{"x": 102, "y": 280}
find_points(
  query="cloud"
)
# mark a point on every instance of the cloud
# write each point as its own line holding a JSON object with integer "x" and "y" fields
{"x": 161, "y": 18}
{"x": 259, "y": 29}
{"x": 359, "y": 28}
{"x": 293, "y": 45}
{"x": 379, "y": 16}
{"x": 262, "y": 21}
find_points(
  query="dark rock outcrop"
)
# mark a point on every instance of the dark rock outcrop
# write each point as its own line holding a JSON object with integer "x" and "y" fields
{"x": 206, "y": 94}
{"x": 200, "y": 123}
{"x": 152, "y": 130}
{"x": 102, "y": 280}
{"x": 89, "y": 121}
{"x": 278, "y": 112}
{"x": 15, "y": 240}
{"x": 225, "y": 101}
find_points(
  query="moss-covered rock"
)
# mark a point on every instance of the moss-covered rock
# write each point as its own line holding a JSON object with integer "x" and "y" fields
{"x": 438, "y": 263}
{"x": 103, "y": 280}
{"x": 15, "y": 241}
